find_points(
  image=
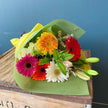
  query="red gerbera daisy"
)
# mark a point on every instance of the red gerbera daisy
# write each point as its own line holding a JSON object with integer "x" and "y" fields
{"x": 40, "y": 72}
{"x": 74, "y": 48}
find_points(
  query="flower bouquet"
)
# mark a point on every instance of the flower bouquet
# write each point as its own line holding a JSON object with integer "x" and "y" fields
{"x": 49, "y": 59}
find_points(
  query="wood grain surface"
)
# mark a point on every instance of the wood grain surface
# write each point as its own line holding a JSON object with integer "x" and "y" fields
{"x": 11, "y": 91}
{"x": 12, "y": 99}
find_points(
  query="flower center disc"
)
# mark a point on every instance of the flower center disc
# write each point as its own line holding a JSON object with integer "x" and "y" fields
{"x": 47, "y": 44}
{"x": 71, "y": 49}
{"x": 57, "y": 72}
{"x": 42, "y": 69}
{"x": 28, "y": 65}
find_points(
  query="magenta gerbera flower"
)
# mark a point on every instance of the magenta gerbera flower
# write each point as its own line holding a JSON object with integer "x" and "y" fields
{"x": 25, "y": 65}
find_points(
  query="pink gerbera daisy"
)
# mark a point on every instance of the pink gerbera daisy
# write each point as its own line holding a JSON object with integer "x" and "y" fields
{"x": 25, "y": 65}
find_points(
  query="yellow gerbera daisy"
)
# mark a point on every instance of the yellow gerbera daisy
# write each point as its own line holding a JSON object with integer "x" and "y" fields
{"x": 47, "y": 42}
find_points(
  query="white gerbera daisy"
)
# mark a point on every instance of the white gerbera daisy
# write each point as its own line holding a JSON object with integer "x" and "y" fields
{"x": 54, "y": 74}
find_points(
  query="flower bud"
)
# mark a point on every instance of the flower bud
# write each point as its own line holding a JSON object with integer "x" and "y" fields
{"x": 92, "y": 72}
{"x": 82, "y": 75}
{"x": 92, "y": 59}
{"x": 67, "y": 63}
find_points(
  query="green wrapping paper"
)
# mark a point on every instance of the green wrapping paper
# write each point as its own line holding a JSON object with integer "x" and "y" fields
{"x": 74, "y": 85}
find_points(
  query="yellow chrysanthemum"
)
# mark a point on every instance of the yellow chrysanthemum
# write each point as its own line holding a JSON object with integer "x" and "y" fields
{"x": 47, "y": 42}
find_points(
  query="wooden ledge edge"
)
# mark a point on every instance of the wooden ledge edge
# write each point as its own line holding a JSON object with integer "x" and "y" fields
{"x": 83, "y": 99}
{"x": 7, "y": 52}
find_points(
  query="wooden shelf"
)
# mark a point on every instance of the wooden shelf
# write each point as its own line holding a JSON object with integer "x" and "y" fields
{"x": 13, "y": 97}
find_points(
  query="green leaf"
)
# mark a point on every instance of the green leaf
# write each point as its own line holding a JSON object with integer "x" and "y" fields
{"x": 34, "y": 39}
{"x": 48, "y": 55}
{"x": 55, "y": 54}
{"x": 60, "y": 59}
{"x": 17, "y": 59}
{"x": 92, "y": 72}
{"x": 66, "y": 56}
{"x": 64, "y": 52}
{"x": 79, "y": 63}
{"x": 82, "y": 61}
{"x": 34, "y": 52}
{"x": 92, "y": 59}
{"x": 85, "y": 72}
{"x": 44, "y": 61}
{"x": 27, "y": 45}
{"x": 62, "y": 67}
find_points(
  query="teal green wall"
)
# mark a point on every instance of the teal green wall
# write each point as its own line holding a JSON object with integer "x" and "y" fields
{"x": 17, "y": 16}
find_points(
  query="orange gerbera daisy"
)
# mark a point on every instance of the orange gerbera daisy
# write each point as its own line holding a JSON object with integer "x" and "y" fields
{"x": 40, "y": 71}
{"x": 47, "y": 42}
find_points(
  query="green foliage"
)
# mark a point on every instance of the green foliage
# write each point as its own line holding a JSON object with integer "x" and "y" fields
{"x": 17, "y": 59}
{"x": 44, "y": 61}
{"x": 63, "y": 56}
{"x": 60, "y": 46}
{"x": 59, "y": 57}
{"x": 64, "y": 52}
{"x": 55, "y": 54}
{"x": 47, "y": 54}
{"x": 27, "y": 45}
{"x": 62, "y": 67}
{"x": 66, "y": 57}
{"x": 34, "y": 39}
{"x": 85, "y": 72}
{"x": 56, "y": 28}
{"x": 39, "y": 56}
{"x": 79, "y": 63}
{"x": 34, "y": 52}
